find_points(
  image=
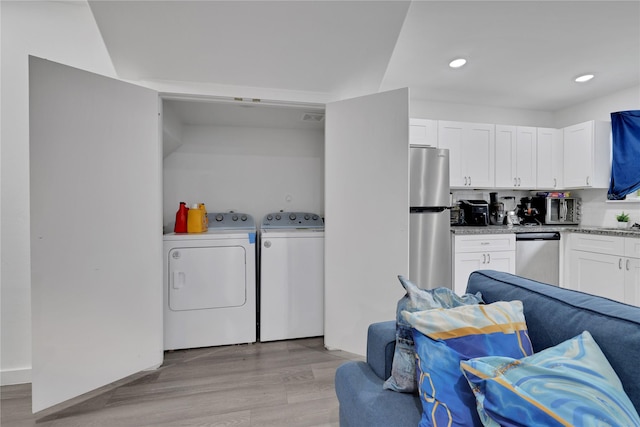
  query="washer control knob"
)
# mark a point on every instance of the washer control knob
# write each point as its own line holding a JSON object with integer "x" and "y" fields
{"x": 267, "y": 244}
{"x": 219, "y": 217}
{"x": 315, "y": 217}
{"x": 278, "y": 217}
{"x": 292, "y": 216}
{"x": 234, "y": 217}
{"x": 243, "y": 218}
{"x": 269, "y": 217}
{"x": 306, "y": 217}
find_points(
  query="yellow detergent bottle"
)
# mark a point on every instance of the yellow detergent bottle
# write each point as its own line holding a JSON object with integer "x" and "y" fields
{"x": 196, "y": 219}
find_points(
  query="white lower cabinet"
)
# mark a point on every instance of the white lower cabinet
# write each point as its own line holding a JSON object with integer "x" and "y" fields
{"x": 608, "y": 266}
{"x": 481, "y": 252}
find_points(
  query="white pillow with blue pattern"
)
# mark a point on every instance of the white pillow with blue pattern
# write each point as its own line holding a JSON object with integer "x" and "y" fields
{"x": 571, "y": 384}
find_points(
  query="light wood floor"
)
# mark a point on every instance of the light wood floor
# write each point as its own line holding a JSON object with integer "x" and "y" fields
{"x": 283, "y": 383}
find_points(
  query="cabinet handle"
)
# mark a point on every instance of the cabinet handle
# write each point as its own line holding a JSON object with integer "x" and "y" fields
{"x": 555, "y": 182}
{"x": 519, "y": 182}
{"x": 588, "y": 181}
{"x": 489, "y": 257}
{"x": 484, "y": 258}
{"x": 515, "y": 182}
{"x": 465, "y": 181}
{"x": 469, "y": 181}
{"x": 628, "y": 263}
{"x": 620, "y": 264}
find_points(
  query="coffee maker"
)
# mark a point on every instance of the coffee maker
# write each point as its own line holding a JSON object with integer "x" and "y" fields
{"x": 529, "y": 214}
{"x": 496, "y": 210}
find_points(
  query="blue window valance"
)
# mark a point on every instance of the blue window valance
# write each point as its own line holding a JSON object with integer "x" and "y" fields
{"x": 625, "y": 163}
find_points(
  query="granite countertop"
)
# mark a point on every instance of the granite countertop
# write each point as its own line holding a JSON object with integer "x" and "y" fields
{"x": 503, "y": 229}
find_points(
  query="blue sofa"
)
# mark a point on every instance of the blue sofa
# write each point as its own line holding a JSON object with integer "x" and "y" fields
{"x": 553, "y": 315}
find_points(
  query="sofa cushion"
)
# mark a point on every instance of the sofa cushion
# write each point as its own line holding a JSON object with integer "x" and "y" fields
{"x": 569, "y": 384}
{"x": 445, "y": 337}
{"x": 403, "y": 369}
{"x": 555, "y": 315}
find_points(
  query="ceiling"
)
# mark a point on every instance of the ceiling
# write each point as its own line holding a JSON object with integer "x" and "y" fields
{"x": 520, "y": 54}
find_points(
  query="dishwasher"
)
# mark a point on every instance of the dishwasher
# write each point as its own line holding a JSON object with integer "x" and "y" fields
{"x": 537, "y": 256}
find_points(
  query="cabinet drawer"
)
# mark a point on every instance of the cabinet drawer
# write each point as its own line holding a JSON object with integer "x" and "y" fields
{"x": 632, "y": 247}
{"x": 485, "y": 242}
{"x": 598, "y": 243}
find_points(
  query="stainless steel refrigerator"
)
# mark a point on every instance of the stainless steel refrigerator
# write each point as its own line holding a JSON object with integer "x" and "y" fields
{"x": 429, "y": 218}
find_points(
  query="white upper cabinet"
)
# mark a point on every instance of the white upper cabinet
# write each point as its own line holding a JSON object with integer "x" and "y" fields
{"x": 515, "y": 164}
{"x": 471, "y": 153}
{"x": 586, "y": 155}
{"x": 423, "y": 132}
{"x": 549, "y": 164}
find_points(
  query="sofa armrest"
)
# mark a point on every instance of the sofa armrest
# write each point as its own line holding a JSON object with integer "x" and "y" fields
{"x": 381, "y": 344}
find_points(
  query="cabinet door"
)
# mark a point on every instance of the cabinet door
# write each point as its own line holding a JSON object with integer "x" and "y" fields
{"x": 632, "y": 281}
{"x": 450, "y": 136}
{"x": 96, "y": 275}
{"x": 578, "y": 155}
{"x": 423, "y": 132}
{"x": 549, "y": 158}
{"x": 467, "y": 263}
{"x": 479, "y": 154}
{"x": 598, "y": 274}
{"x": 525, "y": 157}
{"x": 515, "y": 157}
{"x": 464, "y": 265}
{"x": 505, "y": 172}
{"x": 501, "y": 261}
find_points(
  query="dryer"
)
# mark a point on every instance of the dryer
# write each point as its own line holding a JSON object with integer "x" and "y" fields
{"x": 210, "y": 284}
{"x": 291, "y": 276}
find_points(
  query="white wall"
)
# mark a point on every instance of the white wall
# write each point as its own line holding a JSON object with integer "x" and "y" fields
{"x": 245, "y": 169}
{"x": 599, "y": 108}
{"x": 424, "y": 109}
{"x": 63, "y": 32}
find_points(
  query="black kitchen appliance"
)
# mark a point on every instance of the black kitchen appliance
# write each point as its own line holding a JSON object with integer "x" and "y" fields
{"x": 476, "y": 212}
{"x": 529, "y": 213}
{"x": 496, "y": 210}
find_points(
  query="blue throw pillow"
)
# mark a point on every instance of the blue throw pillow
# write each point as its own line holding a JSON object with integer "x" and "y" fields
{"x": 403, "y": 368}
{"x": 571, "y": 384}
{"x": 445, "y": 337}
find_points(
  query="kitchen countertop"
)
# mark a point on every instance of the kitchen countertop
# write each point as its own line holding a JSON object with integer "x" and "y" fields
{"x": 503, "y": 229}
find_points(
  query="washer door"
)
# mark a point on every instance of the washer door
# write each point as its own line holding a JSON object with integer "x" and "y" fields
{"x": 207, "y": 277}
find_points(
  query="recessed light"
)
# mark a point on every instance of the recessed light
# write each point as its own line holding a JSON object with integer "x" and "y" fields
{"x": 584, "y": 78}
{"x": 457, "y": 63}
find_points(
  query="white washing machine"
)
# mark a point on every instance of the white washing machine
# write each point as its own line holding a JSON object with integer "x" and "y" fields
{"x": 291, "y": 276}
{"x": 210, "y": 284}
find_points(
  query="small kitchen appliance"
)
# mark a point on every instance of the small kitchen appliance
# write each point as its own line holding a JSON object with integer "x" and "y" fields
{"x": 528, "y": 213}
{"x": 558, "y": 210}
{"x": 476, "y": 212}
{"x": 496, "y": 210}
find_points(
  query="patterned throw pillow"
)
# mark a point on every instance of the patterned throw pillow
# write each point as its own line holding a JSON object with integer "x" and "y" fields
{"x": 571, "y": 384}
{"x": 403, "y": 368}
{"x": 445, "y": 337}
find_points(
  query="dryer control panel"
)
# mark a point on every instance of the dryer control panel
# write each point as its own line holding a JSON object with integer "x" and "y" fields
{"x": 230, "y": 221}
{"x": 292, "y": 220}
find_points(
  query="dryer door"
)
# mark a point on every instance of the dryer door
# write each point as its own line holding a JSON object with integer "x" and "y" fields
{"x": 207, "y": 277}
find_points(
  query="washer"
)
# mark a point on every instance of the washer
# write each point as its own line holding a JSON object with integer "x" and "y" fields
{"x": 210, "y": 284}
{"x": 291, "y": 276}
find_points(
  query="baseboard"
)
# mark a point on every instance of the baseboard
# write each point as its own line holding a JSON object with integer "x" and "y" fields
{"x": 15, "y": 376}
